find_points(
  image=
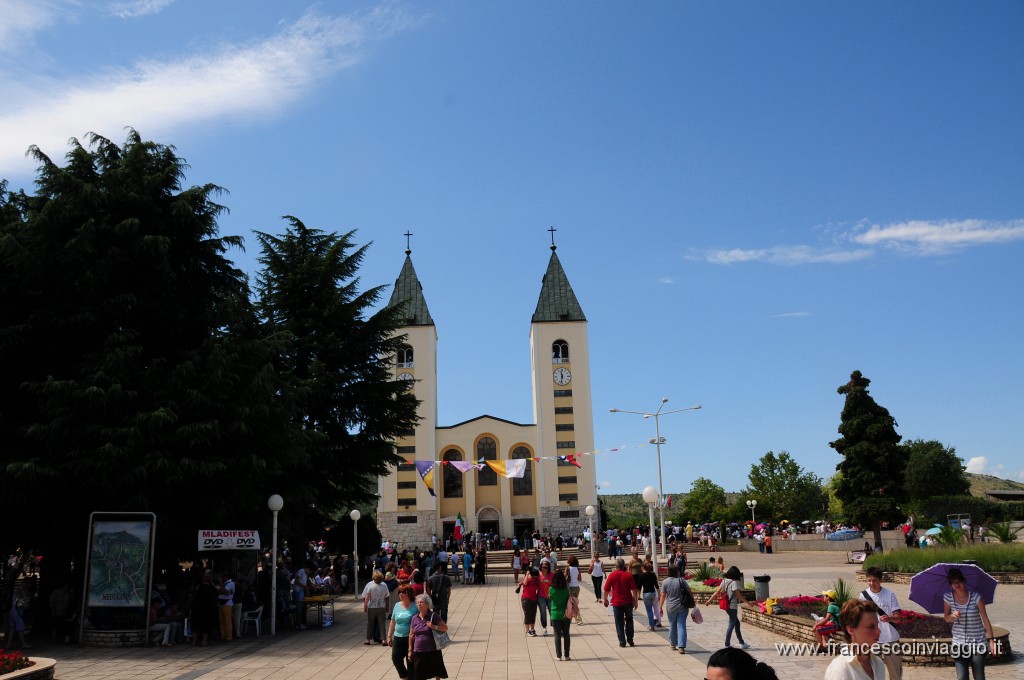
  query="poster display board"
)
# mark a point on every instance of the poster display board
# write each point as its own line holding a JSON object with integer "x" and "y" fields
{"x": 229, "y": 539}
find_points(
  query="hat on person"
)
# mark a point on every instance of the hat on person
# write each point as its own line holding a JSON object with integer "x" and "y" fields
{"x": 830, "y": 594}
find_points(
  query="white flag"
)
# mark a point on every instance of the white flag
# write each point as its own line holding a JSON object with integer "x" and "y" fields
{"x": 515, "y": 468}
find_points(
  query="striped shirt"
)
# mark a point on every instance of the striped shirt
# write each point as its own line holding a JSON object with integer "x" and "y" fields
{"x": 969, "y": 628}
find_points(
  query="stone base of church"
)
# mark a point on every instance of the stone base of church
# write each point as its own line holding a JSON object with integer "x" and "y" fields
{"x": 570, "y": 520}
{"x": 405, "y": 532}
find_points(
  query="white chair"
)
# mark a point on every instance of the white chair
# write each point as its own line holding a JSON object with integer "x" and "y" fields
{"x": 254, "y": 616}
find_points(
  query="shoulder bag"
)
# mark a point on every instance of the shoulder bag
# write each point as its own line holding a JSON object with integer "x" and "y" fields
{"x": 441, "y": 640}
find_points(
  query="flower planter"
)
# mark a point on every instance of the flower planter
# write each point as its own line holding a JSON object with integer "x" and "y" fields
{"x": 931, "y": 652}
{"x": 41, "y": 669}
{"x": 1006, "y": 577}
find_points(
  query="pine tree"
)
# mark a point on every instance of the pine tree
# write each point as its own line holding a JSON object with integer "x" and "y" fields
{"x": 135, "y": 376}
{"x": 870, "y": 484}
{"x": 339, "y": 358}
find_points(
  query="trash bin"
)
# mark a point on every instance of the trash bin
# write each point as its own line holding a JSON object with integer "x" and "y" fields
{"x": 761, "y": 587}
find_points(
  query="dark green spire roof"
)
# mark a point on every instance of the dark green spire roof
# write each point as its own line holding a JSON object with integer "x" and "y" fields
{"x": 557, "y": 301}
{"x": 409, "y": 291}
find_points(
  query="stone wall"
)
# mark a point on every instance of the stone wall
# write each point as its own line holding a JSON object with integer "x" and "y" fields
{"x": 41, "y": 669}
{"x": 550, "y": 521}
{"x": 1008, "y": 577}
{"x": 931, "y": 652}
{"x": 410, "y": 535}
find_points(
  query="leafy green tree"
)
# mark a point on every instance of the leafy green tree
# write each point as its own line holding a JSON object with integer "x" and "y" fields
{"x": 873, "y": 465}
{"x": 339, "y": 359}
{"x": 934, "y": 470}
{"x": 705, "y": 500}
{"x": 135, "y": 376}
{"x": 794, "y": 493}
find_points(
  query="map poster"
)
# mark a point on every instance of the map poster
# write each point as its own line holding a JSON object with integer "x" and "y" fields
{"x": 120, "y": 554}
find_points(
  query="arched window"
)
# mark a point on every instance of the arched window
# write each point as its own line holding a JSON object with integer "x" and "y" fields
{"x": 486, "y": 449}
{"x": 405, "y": 357}
{"x": 523, "y": 486}
{"x": 559, "y": 352}
{"x": 452, "y": 476}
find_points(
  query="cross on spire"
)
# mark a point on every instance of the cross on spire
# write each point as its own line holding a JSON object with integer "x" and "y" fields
{"x": 553, "y": 230}
{"x": 407, "y": 235}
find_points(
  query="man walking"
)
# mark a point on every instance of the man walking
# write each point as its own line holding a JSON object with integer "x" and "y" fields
{"x": 621, "y": 589}
{"x": 439, "y": 588}
{"x": 887, "y": 605}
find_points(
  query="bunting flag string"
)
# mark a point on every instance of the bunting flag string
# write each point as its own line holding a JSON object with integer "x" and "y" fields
{"x": 426, "y": 470}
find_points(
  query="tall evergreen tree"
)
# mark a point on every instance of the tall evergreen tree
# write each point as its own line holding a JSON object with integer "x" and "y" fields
{"x": 135, "y": 376}
{"x": 870, "y": 484}
{"x": 339, "y": 359}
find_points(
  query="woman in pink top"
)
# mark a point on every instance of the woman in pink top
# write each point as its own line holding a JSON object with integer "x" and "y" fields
{"x": 530, "y": 592}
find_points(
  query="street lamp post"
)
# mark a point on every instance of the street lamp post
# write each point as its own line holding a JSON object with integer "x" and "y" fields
{"x": 752, "y": 505}
{"x": 355, "y": 551}
{"x": 658, "y": 441}
{"x": 274, "y": 503}
{"x": 651, "y": 495}
{"x": 591, "y": 511}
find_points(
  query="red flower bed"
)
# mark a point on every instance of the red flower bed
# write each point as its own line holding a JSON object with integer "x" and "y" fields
{"x": 907, "y": 623}
{"x": 712, "y": 582}
{"x": 13, "y": 661}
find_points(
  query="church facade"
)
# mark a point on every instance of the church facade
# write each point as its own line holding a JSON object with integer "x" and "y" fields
{"x": 552, "y": 496}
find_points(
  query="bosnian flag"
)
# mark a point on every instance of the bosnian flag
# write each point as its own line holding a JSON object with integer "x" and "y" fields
{"x": 460, "y": 528}
{"x": 426, "y": 470}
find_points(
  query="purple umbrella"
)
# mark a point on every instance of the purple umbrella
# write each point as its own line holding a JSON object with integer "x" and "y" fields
{"x": 928, "y": 587}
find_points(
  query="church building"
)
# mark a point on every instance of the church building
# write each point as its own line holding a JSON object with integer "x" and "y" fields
{"x": 553, "y": 494}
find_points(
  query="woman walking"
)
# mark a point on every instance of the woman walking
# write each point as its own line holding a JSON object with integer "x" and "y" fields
{"x": 529, "y": 589}
{"x": 649, "y": 590}
{"x": 676, "y": 602}
{"x": 572, "y": 575}
{"x": 596, "y": 576}
{"x": 972, "y": 631}
{"x": 729, "y": 589}
{"x": 398, "y": 630}
{"x": 559, "y": 621}
{"x": 376, "y": 598}
{"x": 517, "y": 564}
{"x": 426, "y": 658}
{"x": 543, "y": 600}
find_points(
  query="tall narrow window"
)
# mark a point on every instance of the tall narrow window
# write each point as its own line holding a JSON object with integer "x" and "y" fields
{"x": 452, "y": 477}
{"x": 523, "y": 486}
{"x": 486, "y": 449}
{"x": 405, "y": 357}
{"x": 559, "y": 352}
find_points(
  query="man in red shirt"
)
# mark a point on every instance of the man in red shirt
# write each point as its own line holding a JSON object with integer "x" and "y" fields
{"x": 624, "y": 598}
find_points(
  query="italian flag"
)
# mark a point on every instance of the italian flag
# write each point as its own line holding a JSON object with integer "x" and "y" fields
{"x": 460, "y": 528}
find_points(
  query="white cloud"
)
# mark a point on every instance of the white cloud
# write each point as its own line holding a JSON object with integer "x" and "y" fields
{"x": 977, "y": 465}
{"x": 939, "y": 237}
{"x": 914, "y": 237}
{"x": 605, "y": 485}
{"x": 666, "y": 280}
{"x": 159, "y": 97}
{"x": 22, "y": 19}
{"x": 138, "y": 8}
{"x": 790, "y": 315}
{"x": 785, "y": 255}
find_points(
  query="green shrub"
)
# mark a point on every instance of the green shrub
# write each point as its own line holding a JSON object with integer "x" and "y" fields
{"x": 988, "y": 556}
{"x": 1002, "y": 532}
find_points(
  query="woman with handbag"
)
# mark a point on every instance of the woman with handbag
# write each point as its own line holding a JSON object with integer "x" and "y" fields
{"x": 676, "y": 602}
{"x": 729, "y": 598}
{"x": 560, "y": 619}
{"x": 426, "y": 629}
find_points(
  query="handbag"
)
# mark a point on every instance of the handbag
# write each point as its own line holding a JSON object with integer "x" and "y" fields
{"x": 441, "y": 640}
{"x": 519, "y": 588}
{"x": 696, "y": 615}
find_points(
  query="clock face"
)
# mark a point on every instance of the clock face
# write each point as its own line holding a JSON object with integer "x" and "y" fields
{"x": 562, "y": 376}
{"x": 405, "y": 376}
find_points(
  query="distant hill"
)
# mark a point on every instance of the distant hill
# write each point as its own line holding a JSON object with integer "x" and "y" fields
{"x": 982, "y": 483}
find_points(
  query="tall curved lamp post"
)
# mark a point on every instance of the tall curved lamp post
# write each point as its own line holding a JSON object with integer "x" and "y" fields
{"x": 274, "y": 503}
{"x": 651, "y": 495}
{"x": 658, "y": 440}
{"x": 355, "y": 515}
{"x": 591, "y": 511}
{"x": 752, "y": 505}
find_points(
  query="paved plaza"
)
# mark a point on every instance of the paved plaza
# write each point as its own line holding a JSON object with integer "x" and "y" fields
{"x": 485, "y": 622}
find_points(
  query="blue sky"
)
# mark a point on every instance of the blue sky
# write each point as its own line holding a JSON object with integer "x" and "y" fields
{"x": 752, "y": 199}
